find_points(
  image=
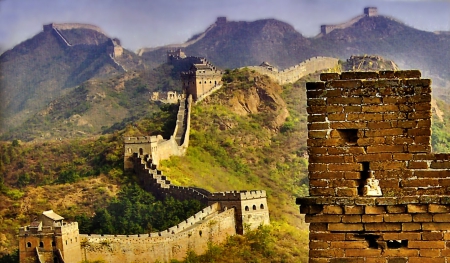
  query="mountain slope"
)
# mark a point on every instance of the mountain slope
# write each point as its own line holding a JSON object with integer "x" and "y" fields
{"x": 237, "y": 44}
{"x": 45, "y": 67}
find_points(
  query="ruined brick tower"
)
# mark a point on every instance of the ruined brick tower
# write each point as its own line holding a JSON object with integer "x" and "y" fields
{"x": 48, "y": 239}
{"x": 377, "y": 194}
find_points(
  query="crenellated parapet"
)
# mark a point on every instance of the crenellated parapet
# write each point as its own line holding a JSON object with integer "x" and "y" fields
{"x": 294, "y": 73}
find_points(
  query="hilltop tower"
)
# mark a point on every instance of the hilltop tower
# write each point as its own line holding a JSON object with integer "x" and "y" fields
{"x": 371, "y": 11}
{"x": 113, "y": 48}
{"x": 200, "y": 79}
{"x": 377, "y": 193}
{"x": 50, "y": 240}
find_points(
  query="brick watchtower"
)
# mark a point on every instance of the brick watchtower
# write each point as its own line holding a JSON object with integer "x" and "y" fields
{"x": 377, "y": 194}
{"x": 48, "y": 239}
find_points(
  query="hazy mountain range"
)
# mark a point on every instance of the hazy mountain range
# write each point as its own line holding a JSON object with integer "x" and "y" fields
{"x": 43, "y": 68}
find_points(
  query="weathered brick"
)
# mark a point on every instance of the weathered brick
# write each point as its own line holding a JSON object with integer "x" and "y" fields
{"x": 347, "y": 260}
{"x": 422, "y": 218}
{"x": 337, "y": 117}
{"x": 411, "y": 226}
{"x": 332, "y": 209}
{"x": 327, "y": 236}
{"x": 432, "y": 236}
{"x": 363, "y": 252}
{"x": 397, "y": 260}
{"x": 349, "y": 244}
{"x": 318, "y": 227}
{"x": 435, "y": 208}
{"x": 426, "y": 244}
{"x": 353, "y": 210}
{"x": 335, "y": 109}
{"x": 375, "y": 210}
{"x": 322, "y": 218}
{"x": 419, "y": 115}
{"x": 328, "y": 76}
{"x": 343, "y": 100}
{"x": 417, "y": 165}
{"x": 319, "y": 126}
{"x": 383, "y": 132}
{"x": 315, "y": 85}
{"x": 316, "y": 102}
{"x": 317, "y": 150}
{"x": 380, "y": 108}
{"x": 318, "y": 183}
{"x": 372, "y": 218}
{"x": 383, "y": 227}
{"x": 401, "y": 252}
{"x": 344, "y": 227}
{"x": 416, "y": 208}
{"x": 406, "y": 124}
{"x": 319, "y": 260}
{"x": 419, "y": 148}
{"x": 396, "y": 209}
{"x": 352, "y": 175}
{"x": 398, "y": 218}
{"x": 435, "y": 226}
{"x": 327, "y": 159}
{"x": 420, "y": 183}
{"x": 319, "y": 245}
{"x": 380, "y": 124}
{"x": 346, "y": 191}
{"x": 322, "y": 134}
{"x": 347, "y": 125}
{"x": 440, "y": 165}
{"x": 434, "y": 253}
{"x": 348, "y": 109}
{"x": 441, "y": 218}
{"x": 319, "y": 167}
{"x": 351, "y": 219}
{"x": 364, "y": 116}
{"x": 326, "y": 175}
{"x": 344, "y": 183}
{"x": 354, "y": 84}
{"x": 388, "y": 165}
{"x": 345, "y": 167}
{"x": 321, "y": 192}
{"x": 326, "y": 253}
{"x": 399, "y": 116}
{"x": 371, "y": 141}
{"x": 407, "y": 74}
{"x": 373, "y": 157}
{"x": 317, "y": 118}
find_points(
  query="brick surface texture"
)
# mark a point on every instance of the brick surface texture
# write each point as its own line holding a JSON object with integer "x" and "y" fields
{"x": 379, "y": 122}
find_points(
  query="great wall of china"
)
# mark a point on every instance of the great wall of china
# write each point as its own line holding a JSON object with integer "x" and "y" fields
{"x": 114, "y": 50}
{"x": 294, "y": 73}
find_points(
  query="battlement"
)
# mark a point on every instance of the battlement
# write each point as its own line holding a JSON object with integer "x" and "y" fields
{"x": 368, "y": 11}
{"x": 238, "y": 195}
{"x": 142, "y": 139}
{"x": 68, "y": 26}
{"x": 294, "y": 73}
{"x": 66, "y": 228}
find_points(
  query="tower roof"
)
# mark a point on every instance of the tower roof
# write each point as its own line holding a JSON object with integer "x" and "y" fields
{"x": 52, "y": 215}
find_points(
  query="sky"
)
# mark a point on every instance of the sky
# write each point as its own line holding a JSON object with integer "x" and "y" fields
{"x": 151, "y": 23}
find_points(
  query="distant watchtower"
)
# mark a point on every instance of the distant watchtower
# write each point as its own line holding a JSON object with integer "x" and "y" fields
{"x": 200, "y": 79}
{"x": 222, "y": 20}
{"x": 50, "y": 240}
{"x": 371, "y": 11}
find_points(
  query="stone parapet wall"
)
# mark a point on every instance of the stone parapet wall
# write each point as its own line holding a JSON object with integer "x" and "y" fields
{"x": 209, "y": 227}
{"x": 294, "y": 73}
{"x": 238, "y": 195}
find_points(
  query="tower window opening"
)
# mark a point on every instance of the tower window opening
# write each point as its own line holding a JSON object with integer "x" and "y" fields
{"x": 28, "y": 244}
{"x": 246, "y": 208}
{"x": 364, "y": 175}
{"x": 41, "y": 244}
{"x": 348, "y": 135}
{"x": 254, "y": 207}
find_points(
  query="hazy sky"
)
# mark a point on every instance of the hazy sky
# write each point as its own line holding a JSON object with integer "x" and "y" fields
{"x": 149, "y": 23}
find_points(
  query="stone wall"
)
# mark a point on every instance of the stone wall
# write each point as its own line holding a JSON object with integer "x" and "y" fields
{"x": 294, "y": 73}
{"x": 158, "y": 148}
{"x": 68, "y": 26}
{"x": 192, "y": 234}
{"x": 375, "y": 123}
